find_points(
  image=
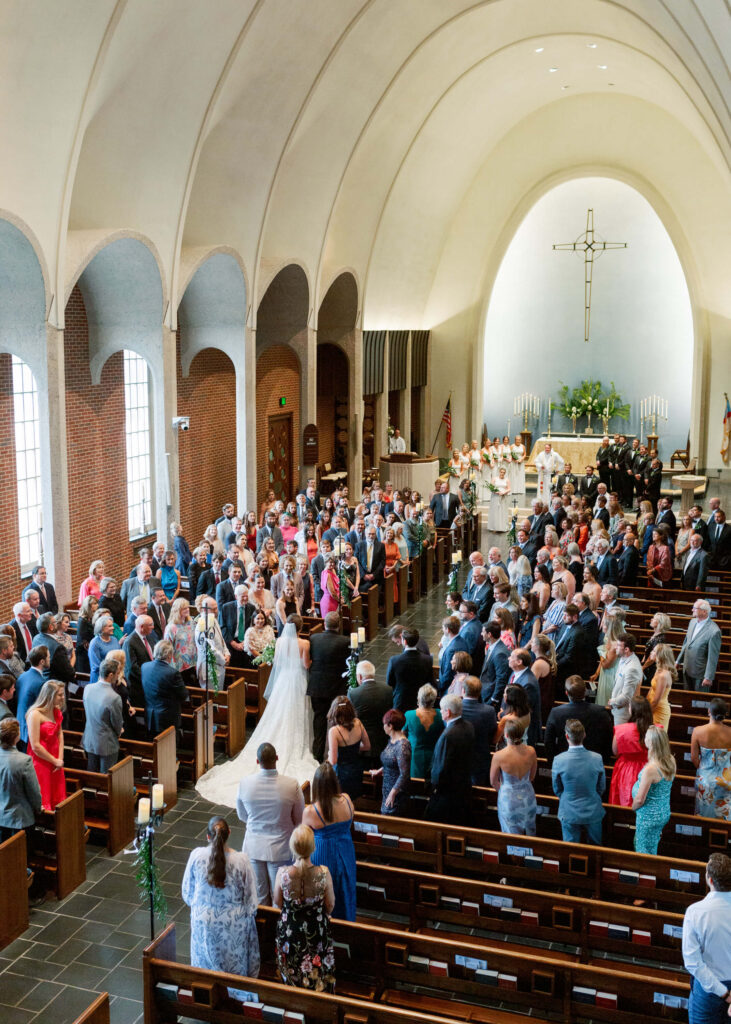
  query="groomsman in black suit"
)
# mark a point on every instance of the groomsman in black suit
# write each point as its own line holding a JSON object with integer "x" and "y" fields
{"x": 603, "y": 459}
{"x": 653, "y": 481}
{"x": 640, "y": 462}
{"x": 588, "y": 485}
{"x": 567, "y": 477}
{"x": 719, "y": 534}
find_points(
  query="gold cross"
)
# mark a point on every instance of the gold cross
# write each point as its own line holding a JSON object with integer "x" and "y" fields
{"x": 592, "y": 250}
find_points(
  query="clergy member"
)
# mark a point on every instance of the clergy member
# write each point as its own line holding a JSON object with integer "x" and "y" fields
{"x": 548, "y": 462}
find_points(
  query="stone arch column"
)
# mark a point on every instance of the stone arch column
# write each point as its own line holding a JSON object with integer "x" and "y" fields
{"x": 337, "y": 324}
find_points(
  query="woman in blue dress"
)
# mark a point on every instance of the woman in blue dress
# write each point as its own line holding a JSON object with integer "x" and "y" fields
{"x": 330, "y": 816}
{"x": 220, "y": 889}
{"x": 710, "y": 752}
{"x": 651, "y": 792}
{"x": 511, "y": 773}
{"x": 169, "y": 576}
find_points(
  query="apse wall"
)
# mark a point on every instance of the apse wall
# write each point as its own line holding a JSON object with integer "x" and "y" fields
{"x": 641, "y": 320}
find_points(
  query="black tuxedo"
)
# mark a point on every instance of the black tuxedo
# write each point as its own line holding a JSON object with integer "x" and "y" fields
{"x": 451, "y": 775}
{"x": 694, "y": 575}
{"x": 407, "y": 673}
{"x": 603, "y": 458}
{"x": 437, "y": 507}
{"x": 328, "y": 651}
{"x": 378, "y": 563}
{"x": 627, "y": 566}
{"x": 653, "y": 482}
{"x": 562, "y": 479}
{"x": 47, "y": 604}
{"x": 495, "y": 673}
{"x": 207, "y": 583}
{"x": 588, "y": 487}
{"x": 596, "y": 720}
{"x": 483, "y": 719}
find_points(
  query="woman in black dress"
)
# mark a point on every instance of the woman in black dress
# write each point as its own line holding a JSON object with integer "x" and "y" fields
{"x": 346, "y": 738}
{"x": 111, "y": 600}
{"x": 85, "y": 632}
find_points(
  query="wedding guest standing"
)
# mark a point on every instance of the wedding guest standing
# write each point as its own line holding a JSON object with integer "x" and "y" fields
{"x": 20, "y": 795}
{"x": 707, "y": 946}
{"x": 651, "y": 792}
{"x": 45, "y": 743}
{"x": 710, "y": 752}
{"x": 628, "y": 746}
{"x": 220, "y": 889}
{"x": 330, "y": 816}
{"x": 511, "y": 773}
{"x": 396, "y": 765}
{"x": 423, "y": 727}
{"x": 347, "y": 740}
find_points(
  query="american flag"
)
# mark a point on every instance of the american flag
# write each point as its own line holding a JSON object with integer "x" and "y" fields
{"x": 447, "y": 418}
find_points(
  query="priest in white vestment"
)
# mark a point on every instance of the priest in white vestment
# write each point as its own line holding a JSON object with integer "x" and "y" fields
{"x": 548, "y": 462}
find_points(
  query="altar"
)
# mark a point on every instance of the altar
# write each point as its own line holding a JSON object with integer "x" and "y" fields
{"x": 578, "y": 449}
{"x": 409, "y": 470}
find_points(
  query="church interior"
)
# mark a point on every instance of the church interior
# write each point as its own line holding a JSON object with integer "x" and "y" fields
{"x": 243, "y": 241}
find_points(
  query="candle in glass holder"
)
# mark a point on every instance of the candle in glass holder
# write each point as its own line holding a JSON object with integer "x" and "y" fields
{"x": 361, "y": 634}
{"x": 455, "y": 558}
{"x": 143, "y": 810}
{"x": 158, "y": 801}
{"x": 353, "y": 640}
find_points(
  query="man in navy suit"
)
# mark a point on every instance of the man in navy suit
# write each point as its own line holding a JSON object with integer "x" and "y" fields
{"x": 371, "y": 555}
{"x": 695, "y": 569}
{"x": 666, "y": 515}
{"x": 164, "y": 690}
{"x": 358, "y": 534}
{"x": 28, "y": 686}
{"x": 482, "y": 593}
{"x": 495, "y": 560}
{"x": 606, "y": 563}
{"x": 48, "y": 600}
{"x": 476, "y": 561}
{"x": 495, "y": 668}
{"x": 409, "y": 671}
{"x": 453, "y": 642}
{"x": 444, "y": 506}
{"x": 629, "y": 561}
{"x": 471, "y": 633}
{"x": 572, "y": 655}
{"x": 483, "y": 719}
{"x": 451, "y": 770}
{"x": 225, "y": 589}
{"x": 209, "y": 580}
{"x": 579, "y": 783}
{"x": 520, "y": 662}
{"x": 234, "y": 618}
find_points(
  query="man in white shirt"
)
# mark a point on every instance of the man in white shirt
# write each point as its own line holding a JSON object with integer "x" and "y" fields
{"x": 271, "y": 807}
{"x": 701, "y": 648}
{"x": 627, "y": 679}
{"x": 396, "y": 443}
{"x": 707, "y": 946}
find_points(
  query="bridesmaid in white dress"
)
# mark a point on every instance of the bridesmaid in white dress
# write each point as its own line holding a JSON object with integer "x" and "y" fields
{"x": 454, "y": 468}
{"x": 518, "y": 452}
{"x": 507, "y": 458}
{"x": 485, "y": 470}
{"x": 498, "y": 517}
{"x": 475, "y": 458}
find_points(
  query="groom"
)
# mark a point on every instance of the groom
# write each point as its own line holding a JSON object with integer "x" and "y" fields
{"x": 328, "y": 651}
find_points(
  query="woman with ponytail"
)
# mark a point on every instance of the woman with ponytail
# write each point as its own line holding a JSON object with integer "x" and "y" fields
{"x": 304, "y": 892}
{"x": 220, "y": 889}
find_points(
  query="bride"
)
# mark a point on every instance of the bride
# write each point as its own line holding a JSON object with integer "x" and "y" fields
{"x": 286, "y": 724}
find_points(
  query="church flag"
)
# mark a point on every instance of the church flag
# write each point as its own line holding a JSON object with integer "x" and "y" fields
{"x": 447, "y": 418}
{"x": 726, "y": 432}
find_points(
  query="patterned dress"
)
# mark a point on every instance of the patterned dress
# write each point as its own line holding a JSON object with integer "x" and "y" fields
{"x": 396, "y": 761}
{"x": 516, "y": 805}
{"x": 223, "y": 934}
{"x": 713, "y": 784}
{"x": 305, "y": 953}
{"x": 653, "y": 816}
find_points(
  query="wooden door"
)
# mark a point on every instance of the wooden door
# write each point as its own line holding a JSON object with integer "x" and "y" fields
{"x": 279, "y": 454}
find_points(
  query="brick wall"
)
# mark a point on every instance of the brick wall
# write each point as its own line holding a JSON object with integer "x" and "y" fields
{"x": 277, "y": 374}
{"x": 10, "y": 583}
{"x": 96, "y": 454}
{"x": 207, "y": 452}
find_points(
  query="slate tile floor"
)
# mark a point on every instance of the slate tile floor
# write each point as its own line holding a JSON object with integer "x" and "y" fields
{"x": 92, "y": 941}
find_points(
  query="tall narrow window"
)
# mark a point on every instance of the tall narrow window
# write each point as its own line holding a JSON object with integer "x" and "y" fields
{"x": 137, "y": 430}
{"x": 27, "y": 464}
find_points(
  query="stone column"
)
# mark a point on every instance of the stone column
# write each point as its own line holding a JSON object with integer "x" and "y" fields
{"x": 246, "y": 424}
{"x": 380, "y": 447}
{"x": 54, "y": 467}
{"x": 405, "y": 400}
{"x": 167, "y": 466}
{"x": 305, "y": 344}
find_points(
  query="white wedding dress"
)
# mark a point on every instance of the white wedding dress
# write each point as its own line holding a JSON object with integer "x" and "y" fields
{"x": 286, "y": 724}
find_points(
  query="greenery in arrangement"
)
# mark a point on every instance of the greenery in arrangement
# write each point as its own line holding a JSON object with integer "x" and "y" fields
{"x": 351, "y": 673}
{"x": 212, "y": 669}
{"x": 266, "y": 657}
{"x": 343, "y": 580}
{"x": 148, "y": 879}
{"x": 591, "y": 398}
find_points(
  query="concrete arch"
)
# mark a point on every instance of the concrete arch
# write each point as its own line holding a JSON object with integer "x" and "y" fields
{"x": 285, "y": 309}
{"x": 339, "y": 309}
{"x": 192, "y": 258}
{"x": 24, "y": 298}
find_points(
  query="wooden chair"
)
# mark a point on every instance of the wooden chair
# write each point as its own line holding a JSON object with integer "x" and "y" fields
{"x": 681, "y": 455}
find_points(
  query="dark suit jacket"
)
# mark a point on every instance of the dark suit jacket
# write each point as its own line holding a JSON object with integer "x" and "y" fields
{"x": 228, "y": 619}
{"x": 437, "y": 507}
{"x": 354, "y": 538}
{"x": 406, "y": 673}
{"x": 538, "y": 525}
{"x": 694, "y": 575}
{"x": 60, "y": 667}
{"x": 484, "y": 599}
{"x": 565, "y": 478}
{"x": 603, "y": 515}
{"x": 137, "y": 656}
{"x": 446, "y": 672}
{"x": 164, "y": 692}
{"x": 590, "y": 624}
{"x": 596, "y": 720}
{"x": 608, "y": 570}
{"x": 495, "y": 674}
{"x": 668, "y": 517}
{"x": 627, "y": 566}
{"x": 451, "y": 768}
{"x": 720, "y": 547}
{"x": 588, "y": 487}
{"x": 155, "y": 616}
{"x": 207, "y": 583}
{"x": 378, "y": 563}
{"x": 371, "y": 701}
{"x": 51, "y": 602}
{"x": 328, "y": 651}
{"x": 483, "y": 719}
{"x": 224, "y": 593}
{"x": 532, "y": 691}
{"x": 20, "y": 645}
{"x": 572, "y": 654}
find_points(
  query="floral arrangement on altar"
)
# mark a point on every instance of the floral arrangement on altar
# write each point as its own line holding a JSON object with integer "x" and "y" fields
{"x": 590, "y": 398}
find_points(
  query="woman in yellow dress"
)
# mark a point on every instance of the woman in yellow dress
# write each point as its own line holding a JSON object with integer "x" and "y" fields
{"x": 665, "y": 675}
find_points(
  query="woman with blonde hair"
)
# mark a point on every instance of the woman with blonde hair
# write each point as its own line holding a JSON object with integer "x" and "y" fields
{"x": 91, "y": 585}
{"x": 523, "y": 576}
{"x": 662, "y": 682}
{"x": 304, "y": 892}
{"x": 210, "y": 536}
{"x": 45, "y": 743}
{"x": 423, "y": 728}
{"x": 651, "y": 792}
{"x": 180, "y": 631}
{"x": 62, "y": 621}
{"x": 606, "y": 671}
{"x": 561, "y": 572}
{"x": 183, "y": 554}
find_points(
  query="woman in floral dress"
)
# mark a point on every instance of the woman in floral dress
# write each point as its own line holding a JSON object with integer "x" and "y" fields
{"x": 304, "y": 892}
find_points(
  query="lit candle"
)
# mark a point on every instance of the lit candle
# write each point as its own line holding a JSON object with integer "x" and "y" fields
{"x": 353, "y": 641}
{"x": 459, "y": 556}
{"x": 361, "y": 634}
{"x": 158, "y": 796}
{"x": 143, "y": 810}
{"x": 455, "y": 558}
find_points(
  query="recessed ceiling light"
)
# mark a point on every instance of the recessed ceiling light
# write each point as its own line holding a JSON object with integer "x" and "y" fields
{"x": 565, "y": 86}
{"x": 592, "y": 46}
{"x": 610, "y": 83}
{"x": 602, "y": 67}
{"x": 551, "y": 70}
{"x": 539, "y": 49}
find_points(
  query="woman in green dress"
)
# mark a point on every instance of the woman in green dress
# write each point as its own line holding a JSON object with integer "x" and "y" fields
{"x": 423, "y": 728}
{"x": 607, "y": 670}
{"x": 651, "y": 792}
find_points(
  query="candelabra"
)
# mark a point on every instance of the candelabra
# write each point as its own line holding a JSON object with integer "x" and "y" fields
{"x": 652, "y": 408}
{"x": 452, "y": 585}
{"x": 528, "y": 406}
{"x": 357, "y": 639}
{"x": 150, "y": 814}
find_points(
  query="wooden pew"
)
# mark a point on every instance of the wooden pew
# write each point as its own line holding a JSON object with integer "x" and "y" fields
{"x": 574, "y": 922}
{"x": 387, "y": 602}
{"x": 14, "y": 915}
{"x": 427, "y": 576}
{"x": 205, "y": 995}
{"x": 60, "y": 845}
{"x": 690, "y": 702}
{"x": 97, "y": 1012}
{"x": 403, "y": 590}
{"x": 229, "y": 711}
{"x": 195, "y": 746}
{"x": 415, "y": 579}
{"x": 255, "y": 681}
{"x": 591, "y": 870}
{"x": 109, "y": 797}
{"x": 370, "y": 607}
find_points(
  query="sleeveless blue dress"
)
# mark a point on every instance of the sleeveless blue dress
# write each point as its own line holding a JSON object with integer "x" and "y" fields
{"x": 516, "y": 805}
{"x": 334, "y": 848}
{"x": 653, "y": 816}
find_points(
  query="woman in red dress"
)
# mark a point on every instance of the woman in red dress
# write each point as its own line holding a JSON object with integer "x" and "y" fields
{"x": 45, "y": 743}
{"x": 629, "y": 747}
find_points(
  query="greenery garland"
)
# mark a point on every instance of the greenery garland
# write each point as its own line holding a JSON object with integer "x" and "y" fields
{"x": 148, "y": 879}
{"x": 352, "y": 662}
{"x": 343, "y": 581}
{"x": 212, "y": 667}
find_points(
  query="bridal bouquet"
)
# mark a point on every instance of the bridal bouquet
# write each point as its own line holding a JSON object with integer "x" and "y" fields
{"x": 492, "y": 488}
{"x": 266, "y": 657}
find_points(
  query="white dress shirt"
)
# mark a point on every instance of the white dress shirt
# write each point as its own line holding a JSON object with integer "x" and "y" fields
{"x": 707, "y": 942}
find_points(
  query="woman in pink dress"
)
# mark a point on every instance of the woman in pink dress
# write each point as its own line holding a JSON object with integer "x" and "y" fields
{"x": 629, "y": 747}
{"x": 330, "y": 586}
{"x": 91, "y": 585}
{"x": 45, "y": 743}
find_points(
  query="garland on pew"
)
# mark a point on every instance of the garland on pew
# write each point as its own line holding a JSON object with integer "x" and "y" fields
{"x": 147, "y": 876}
{"x": 212, "y": 668}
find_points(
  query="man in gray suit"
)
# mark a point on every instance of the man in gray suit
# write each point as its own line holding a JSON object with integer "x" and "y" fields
{"x": 628, "y": 677}
{"x": 698, "y": 656}
{"x": 20, "y": 794}
{"x": 104, "y": 719}
{"x": 271, "y": 806}
{"x": 137, "y": 586}
{"x": 579, "y": 782}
